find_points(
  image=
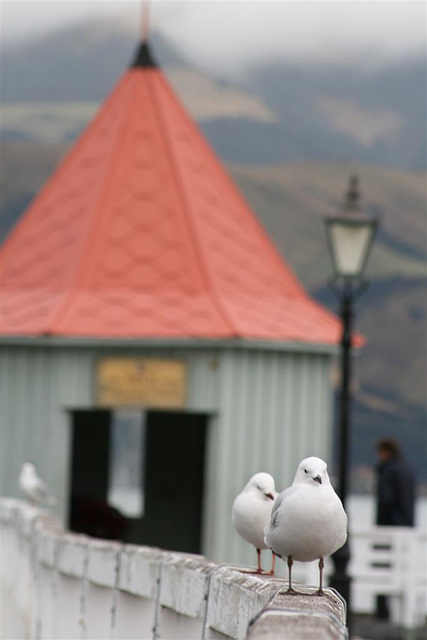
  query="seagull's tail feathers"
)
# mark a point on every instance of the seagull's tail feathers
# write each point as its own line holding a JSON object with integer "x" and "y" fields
{"x": 42, "y": 493}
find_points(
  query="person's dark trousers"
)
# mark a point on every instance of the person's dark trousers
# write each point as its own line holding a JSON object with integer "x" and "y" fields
{"x": 382, "y": 610}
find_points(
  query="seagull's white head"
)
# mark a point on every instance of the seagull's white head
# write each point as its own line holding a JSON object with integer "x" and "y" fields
{"x": 312, "y": 471}
{"x": 263, "y": 484}
{"x": 28, "y": 467}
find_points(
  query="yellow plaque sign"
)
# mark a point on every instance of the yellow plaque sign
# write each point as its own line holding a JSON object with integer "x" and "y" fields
{"x": 141, "y": 382}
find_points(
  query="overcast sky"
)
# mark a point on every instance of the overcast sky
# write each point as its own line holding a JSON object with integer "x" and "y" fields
{"x": 239, "y": 32}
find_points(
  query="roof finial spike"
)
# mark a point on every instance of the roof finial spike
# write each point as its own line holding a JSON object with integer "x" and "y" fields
{"x": 145, "y": 20}
{"x": 143, "y": 58}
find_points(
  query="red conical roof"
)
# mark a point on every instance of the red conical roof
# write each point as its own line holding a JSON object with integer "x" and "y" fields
{"x": 140, "y": 232}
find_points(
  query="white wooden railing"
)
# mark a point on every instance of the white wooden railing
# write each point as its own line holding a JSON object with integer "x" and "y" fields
{"x": 55, "y": 584}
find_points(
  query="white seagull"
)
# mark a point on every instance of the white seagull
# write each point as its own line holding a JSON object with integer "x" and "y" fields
{"x": 308, "y": 521}
{"x": 33, "y": 486}
{"x": 252, "y": 510}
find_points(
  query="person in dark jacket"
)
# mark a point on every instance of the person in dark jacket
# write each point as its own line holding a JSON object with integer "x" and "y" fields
{"x": 396, "y": 486}
{"x": 395, "y": 497}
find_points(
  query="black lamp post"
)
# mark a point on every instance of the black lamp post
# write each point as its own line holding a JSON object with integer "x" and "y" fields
{"x": 350, "y": 235}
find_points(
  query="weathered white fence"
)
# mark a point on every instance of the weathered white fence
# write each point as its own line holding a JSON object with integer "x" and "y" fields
{"x": 391, "y": 561}
{"x": 55, "y": 584}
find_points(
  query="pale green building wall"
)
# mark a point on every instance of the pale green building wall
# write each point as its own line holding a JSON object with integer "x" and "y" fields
{"x": 269, "y": 409}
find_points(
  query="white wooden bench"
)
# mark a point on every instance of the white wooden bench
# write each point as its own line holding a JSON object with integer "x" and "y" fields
{"x": 391, "y": 561}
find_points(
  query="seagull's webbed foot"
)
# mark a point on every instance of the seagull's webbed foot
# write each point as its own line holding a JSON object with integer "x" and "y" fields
{"x": 253, "y": 572}
{"x": 290, "y": 591}
{"x": 319, "y": 592}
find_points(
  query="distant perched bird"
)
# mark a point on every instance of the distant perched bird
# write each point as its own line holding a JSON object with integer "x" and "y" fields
{"x": 251, "y": 512}
{"x": 33, "y": 486}
{"x": 308, "y": 521}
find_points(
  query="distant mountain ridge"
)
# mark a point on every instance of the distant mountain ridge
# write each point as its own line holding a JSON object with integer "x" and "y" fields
{"x": 277, "y": 112}
{"x": 77, "y": 63}
{"x": 370, "y": 115}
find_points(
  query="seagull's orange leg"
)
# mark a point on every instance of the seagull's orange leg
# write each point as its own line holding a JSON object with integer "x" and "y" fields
{"x": 259, "y": 569}
{"x": 273, "y": 563}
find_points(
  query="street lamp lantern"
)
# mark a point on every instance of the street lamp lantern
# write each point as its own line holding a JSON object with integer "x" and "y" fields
{"x": 350, "y": 236}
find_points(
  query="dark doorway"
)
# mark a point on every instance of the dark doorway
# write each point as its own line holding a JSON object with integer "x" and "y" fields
{"x": 174, "y": 473}
{"x": 168, "y": 474}
{"x": 90, "y": 512}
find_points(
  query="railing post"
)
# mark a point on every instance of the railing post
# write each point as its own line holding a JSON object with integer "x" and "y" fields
{"x": 84, "y": 593}
{"x": 157, "y": 607}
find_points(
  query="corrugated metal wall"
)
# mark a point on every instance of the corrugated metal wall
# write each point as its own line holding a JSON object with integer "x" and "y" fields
{"x": 273, "y": 410}
{"x": 269, "y": 410}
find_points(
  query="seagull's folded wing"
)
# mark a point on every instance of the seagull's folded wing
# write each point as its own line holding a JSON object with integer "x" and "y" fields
{"x": 278, "y": 506}
{"x": 42, "y": 491}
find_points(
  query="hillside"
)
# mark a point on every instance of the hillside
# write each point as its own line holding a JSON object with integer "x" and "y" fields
{"x": 362, "y": 113}
{"x": 297, "y": 198}
{"x": 391, "y": 372}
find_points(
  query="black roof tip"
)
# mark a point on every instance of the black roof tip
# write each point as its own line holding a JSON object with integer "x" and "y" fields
{"x": 144, "y": 57}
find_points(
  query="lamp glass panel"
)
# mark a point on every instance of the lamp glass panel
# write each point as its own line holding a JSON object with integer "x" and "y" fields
{"x": 350, "y": 244}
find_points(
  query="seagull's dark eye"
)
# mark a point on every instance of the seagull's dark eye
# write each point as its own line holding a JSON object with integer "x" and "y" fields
{"x": 305, "y": 471}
